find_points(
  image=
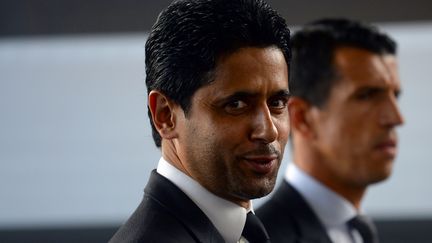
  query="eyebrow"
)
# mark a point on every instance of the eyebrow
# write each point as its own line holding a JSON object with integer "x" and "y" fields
{"x": 376, "y": 89}
{"x": 245, "y": 94}
{"x": 283, "y": 93}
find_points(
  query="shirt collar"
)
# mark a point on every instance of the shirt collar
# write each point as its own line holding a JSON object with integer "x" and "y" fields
{"x": 331, "y": 208}
{"x": 228, "y": 217}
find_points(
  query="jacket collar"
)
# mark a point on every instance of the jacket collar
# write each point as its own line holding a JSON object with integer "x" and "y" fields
{"x": 182, "y": 208}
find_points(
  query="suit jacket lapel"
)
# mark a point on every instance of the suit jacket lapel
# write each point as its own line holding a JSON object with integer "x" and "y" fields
{"x": 182, "y": 208}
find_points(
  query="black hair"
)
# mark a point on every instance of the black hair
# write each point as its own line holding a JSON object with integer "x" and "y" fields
{"x": 190, "y": 36}
{"x": 312, "y": 71}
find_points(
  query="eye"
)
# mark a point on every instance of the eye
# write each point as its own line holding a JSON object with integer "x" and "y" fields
{"x": 397, "y": 94}
{"x": 367, "y": 94}
{"x": 235, "y": 106}
{"x": 278, "y": 103}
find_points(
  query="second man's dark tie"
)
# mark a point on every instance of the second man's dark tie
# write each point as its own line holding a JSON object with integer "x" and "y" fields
{"x": 254, "y": 230}
{"x": 365, "y": 227}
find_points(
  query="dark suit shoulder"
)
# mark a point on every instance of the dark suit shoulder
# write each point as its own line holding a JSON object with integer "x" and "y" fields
{"x": 288, "y": 218}
{"x": 151, "y": 222}
{"x": 166, "y": 214}
{"x": 278, "y": 222}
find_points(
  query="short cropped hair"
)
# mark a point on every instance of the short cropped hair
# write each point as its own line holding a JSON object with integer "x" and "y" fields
{"x": 190, "y": 36}
{"x": 312, "y": 72}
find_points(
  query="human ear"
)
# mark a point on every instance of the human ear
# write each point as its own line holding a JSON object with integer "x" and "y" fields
{"x": 300, "y": 117}
{"x": 162, "y": 114}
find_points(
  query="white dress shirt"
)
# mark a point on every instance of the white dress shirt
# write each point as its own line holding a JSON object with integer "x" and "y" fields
{"x": 332, "y": 210}
{"x": 228, "y": 217}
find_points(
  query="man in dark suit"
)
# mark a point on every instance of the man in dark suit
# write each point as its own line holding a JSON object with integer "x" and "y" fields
{"x": 343, "y": 112}
{"x": 217, "y": 79}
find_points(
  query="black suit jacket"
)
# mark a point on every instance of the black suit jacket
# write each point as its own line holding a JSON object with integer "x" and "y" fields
{"x": 166, "y": 215}
{"x": 288, "y": 218}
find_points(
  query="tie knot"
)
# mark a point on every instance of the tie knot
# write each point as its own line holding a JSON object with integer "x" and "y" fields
{"x": 254, "y": 230}
{"x": 365, "y": 227}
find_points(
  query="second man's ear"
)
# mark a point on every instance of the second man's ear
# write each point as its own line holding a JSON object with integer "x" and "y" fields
{"x": 299, "y": 112}
{"x": 163, "y": 114}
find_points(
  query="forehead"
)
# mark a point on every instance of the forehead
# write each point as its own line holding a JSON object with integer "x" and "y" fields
{"x": 253, "y": 73}
{"x": 360, "y": 67}
{"x": 251, "y": 68}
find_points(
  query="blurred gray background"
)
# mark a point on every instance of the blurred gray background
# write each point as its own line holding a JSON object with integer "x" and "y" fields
{"x": 75, "y": 142}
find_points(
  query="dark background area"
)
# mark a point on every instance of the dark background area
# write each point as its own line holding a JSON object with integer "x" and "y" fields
{"x": 23, "y": 18}
{"x": 391, "y": 231}
{"x": 52, "y": 17}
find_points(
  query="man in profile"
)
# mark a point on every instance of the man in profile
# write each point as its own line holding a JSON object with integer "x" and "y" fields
{"x": 217, "y": 79}
{"x": 343, "y": 112}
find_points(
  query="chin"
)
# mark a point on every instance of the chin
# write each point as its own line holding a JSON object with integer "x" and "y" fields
{"x": 257, "y": 189}
{"x": 381, "y": 171}
{"x": 380, "y": 177}
{"x": 264, "y": 188}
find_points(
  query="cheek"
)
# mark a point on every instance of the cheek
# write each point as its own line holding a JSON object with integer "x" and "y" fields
{"x": 283, "y": 127}
{"x": 346, "y": 127}
{"x": 337, "y": 137}
{"x": 357, "y": 131}
{"x": 225, "y": 134}
{"x": 354, "y": 142}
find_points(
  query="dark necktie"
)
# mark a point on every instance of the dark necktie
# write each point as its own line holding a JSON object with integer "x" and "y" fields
{"x": 254, "y": 230}
{"x": 365, "y": 227}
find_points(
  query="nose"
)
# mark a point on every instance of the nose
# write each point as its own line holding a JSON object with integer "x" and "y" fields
{"x": 264, "y": 129}
{"x": 391, "y": 115}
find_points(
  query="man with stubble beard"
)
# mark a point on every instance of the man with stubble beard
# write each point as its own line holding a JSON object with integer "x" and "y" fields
{"x": 217, "y": 80}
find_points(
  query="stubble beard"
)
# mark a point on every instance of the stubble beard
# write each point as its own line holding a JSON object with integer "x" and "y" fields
{"x": 250, "y": 187}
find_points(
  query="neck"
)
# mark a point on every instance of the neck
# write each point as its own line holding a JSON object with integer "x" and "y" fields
{"x": 170, "y": 154}
{"x": 308, "y": 161}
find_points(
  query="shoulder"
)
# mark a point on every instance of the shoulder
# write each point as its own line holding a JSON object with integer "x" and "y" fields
{"x": 280, "y": 205}
{"x": 279, "y": 216}
{"x": 279, "y": 223}
{"x": 151, "y": 222}
{"x": 288, "y": 218}
{"x": 166, "y": 214}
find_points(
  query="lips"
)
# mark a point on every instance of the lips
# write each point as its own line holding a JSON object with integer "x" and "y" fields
{"x": 388, "y": 147}
{"x": 262, "y": 164}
